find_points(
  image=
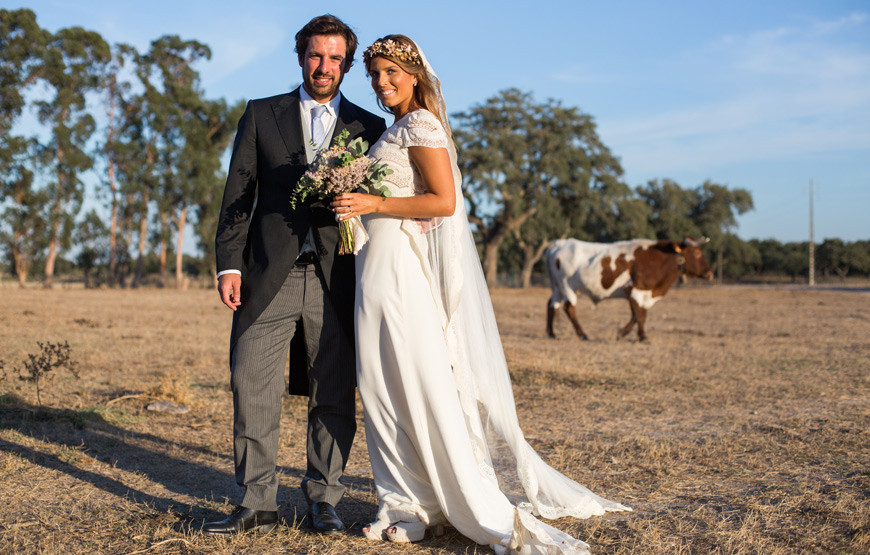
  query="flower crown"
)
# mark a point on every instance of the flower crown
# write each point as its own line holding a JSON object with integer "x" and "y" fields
{"x": 392, "y": 49}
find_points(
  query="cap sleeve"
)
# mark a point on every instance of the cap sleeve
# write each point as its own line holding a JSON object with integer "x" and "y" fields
{"x": 422, "y": 128}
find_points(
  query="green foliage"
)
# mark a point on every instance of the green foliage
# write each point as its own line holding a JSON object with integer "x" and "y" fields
{"x": 834, "y": 257}
{"x": 796, "y": 260}
{"x": 535, "y": 170}
{"x": 39, "y": 368}
{"x": 21, "y": 225}
{"x": 72, "y": 65}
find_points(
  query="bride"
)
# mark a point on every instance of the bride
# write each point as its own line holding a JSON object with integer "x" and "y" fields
{"x": 439, "y": 408}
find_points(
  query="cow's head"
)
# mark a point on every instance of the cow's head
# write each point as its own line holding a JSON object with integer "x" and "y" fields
{"x": 694, "y": 265}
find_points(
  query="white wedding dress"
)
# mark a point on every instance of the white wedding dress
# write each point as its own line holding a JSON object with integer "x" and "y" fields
{"x": 429, "y": 418}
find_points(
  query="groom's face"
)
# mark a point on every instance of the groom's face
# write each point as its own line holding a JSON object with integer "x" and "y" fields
{"x": 323, "y": 66}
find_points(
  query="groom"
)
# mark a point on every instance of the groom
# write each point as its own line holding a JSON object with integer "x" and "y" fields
{"x": 279, "y": 271}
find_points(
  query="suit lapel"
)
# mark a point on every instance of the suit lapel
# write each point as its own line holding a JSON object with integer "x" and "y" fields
{"x": 347, "y": 119}
{"x": 287, "y": 118}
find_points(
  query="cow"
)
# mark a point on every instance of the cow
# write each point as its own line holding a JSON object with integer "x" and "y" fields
{"x": 640, "y": 270}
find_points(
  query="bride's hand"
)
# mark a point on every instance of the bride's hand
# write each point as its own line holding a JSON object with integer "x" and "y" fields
{"x": 348, "y": 205}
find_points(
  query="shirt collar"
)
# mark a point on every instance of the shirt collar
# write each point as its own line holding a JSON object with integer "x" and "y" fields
{"x": 307, "y": 103}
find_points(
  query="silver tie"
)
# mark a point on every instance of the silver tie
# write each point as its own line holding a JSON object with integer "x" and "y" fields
{"x": 318, "y": 130}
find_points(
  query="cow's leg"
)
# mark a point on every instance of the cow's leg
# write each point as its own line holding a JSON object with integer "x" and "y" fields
{"x": 624, "y": 331}
{"x": 638, "y": 315}
{"x": 641, "y": 318}
{"x": 551, "y": 313}
{"x": 571, "y": 311}
{"x": 633, "y": 306}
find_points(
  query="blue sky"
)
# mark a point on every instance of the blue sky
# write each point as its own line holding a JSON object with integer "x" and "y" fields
{"x": 763, "y": 96}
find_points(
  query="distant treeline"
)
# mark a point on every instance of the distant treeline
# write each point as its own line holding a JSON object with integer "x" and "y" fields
{"x": 139, "y": 126}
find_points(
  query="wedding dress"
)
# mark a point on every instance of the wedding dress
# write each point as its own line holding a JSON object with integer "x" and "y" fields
{"x": 434, "y": 382}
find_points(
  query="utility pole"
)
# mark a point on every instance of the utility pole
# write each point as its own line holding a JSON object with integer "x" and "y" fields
{"x": 812, "y": 281}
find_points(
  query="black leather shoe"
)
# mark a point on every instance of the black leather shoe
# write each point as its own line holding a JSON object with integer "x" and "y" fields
{"x": 242, "y": 519}
{"x": 324, "y": 519}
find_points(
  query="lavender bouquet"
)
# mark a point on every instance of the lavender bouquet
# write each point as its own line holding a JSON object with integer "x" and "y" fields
{"x": 342, "y": 168}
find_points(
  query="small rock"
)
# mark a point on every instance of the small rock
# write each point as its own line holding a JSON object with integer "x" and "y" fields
{"x": 167, "y": 406}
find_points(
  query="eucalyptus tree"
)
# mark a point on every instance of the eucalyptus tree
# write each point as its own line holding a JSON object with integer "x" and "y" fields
{"x": 120, "y": 114}
{"x": 176, "y": 116}
{"x": 22, "y": 225}
{"x": 136, "y": 157}
{"x": 72, "y": 66}
{"x": 218, "y": 121}
{"x": 520, "y": 159}
{"x": 21, "y": 45}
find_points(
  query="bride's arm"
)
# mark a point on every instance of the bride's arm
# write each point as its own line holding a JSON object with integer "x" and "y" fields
{"x": 433, "y": 164}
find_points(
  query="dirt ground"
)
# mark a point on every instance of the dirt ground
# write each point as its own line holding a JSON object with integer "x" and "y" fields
{"x": 741, "y": 426}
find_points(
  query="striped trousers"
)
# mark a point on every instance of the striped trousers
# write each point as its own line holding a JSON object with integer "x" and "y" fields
{"x": 258, "y": 365}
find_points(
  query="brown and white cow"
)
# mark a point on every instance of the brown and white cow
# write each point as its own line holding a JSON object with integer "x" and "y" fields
{"x": 640, "y": 270}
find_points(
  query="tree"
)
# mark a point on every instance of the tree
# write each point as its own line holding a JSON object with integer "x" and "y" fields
{"x": 92, "y": 237}
{"x": 771, "y": 256}
{"x": 671, "y": 209}
{"x": 23, "y": 226}
{"x": 119, "y": 113}
{"x": 715, "y": 216}
{"x": 185, "y": 130}
{"x": 21, "y": 44}
{"x": 220, "y": 123}
{"x": 795, "y": 260}
{"x": 840, "y": 258}
{"x": 741, "y": 256}
{"x": 72, "y": 66}
{"x": 860, "y": 257}
{"x": 530, "y": 170}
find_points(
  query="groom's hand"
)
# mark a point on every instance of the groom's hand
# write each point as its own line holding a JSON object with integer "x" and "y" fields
{"x": 230, "y": 288}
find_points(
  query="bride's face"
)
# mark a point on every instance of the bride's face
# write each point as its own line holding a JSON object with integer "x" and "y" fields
{"x": 393, "y": 85}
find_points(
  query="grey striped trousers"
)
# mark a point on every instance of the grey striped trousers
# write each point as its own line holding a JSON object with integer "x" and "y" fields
{"x": 258, "y": 365}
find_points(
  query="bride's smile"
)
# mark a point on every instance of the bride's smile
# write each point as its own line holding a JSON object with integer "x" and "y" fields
{"x": 393, "y": 85}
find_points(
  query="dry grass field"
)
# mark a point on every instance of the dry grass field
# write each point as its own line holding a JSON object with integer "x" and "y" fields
{"x": 742, "y": 426}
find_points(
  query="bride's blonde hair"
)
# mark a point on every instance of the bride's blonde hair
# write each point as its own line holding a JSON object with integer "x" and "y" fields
{"x": 404, "y": 52}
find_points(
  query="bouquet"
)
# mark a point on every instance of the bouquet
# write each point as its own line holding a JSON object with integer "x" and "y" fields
{"x": 342, "y": 168}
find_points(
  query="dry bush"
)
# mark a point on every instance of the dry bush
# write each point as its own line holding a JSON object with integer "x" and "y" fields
{"x": 742, "y": 426}
{"x": 172, "y": 386}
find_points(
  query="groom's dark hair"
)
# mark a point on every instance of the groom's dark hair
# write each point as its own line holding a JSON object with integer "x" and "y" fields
{"x": 327, "y": 25}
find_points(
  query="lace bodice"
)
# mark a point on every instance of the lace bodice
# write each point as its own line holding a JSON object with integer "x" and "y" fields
{"x": 417, "y": 128}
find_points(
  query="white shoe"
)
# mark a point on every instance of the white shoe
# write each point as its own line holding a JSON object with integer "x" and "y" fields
{"x": 406, "y": 532}
{"x": 375, "y": 530}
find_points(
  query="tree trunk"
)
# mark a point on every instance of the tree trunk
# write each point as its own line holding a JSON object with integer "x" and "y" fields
{"x": 179, "y": 270}
{"x": 493, "y": 241}
{"x": 490, "y": 260}
{"x": 143, "y": 241}
{"x": 19, "y": 256}
{"x": 113, "y": 226}
{"x": 162, "y": 251}
{"x": 48, "y": 277}
{"x": 20, "y": 267}
{"x": 54, "y": 236}
{"x": 113, "y": 186}
{"x": 531, "y": 255}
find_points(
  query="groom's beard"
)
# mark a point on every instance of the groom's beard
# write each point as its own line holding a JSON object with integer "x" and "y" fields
{"x": 326, "y": 91}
